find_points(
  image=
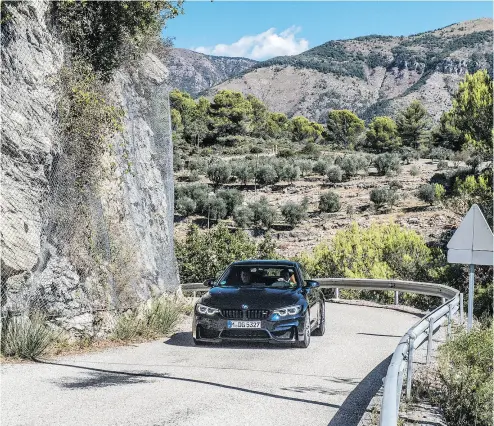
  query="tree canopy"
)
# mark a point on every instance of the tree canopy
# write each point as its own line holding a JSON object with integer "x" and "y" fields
{"x": 382, "y": 135}
{"x": 344, "y": 128}
{"x": 412, "y": 124}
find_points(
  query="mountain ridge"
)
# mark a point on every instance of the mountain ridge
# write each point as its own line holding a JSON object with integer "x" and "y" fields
{"x": 370, "y": 75}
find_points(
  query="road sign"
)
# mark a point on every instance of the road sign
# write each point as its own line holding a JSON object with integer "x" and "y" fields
{"x": 472, "y": 244}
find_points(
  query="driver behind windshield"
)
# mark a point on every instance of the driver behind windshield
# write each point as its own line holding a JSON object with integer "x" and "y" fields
{"x": 245, "y": 276}
{"x": 285, "y": 275}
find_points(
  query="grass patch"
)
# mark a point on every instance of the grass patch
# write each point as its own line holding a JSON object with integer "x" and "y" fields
{"x": 157, "y": 317}
{"x": 26, "y": 337}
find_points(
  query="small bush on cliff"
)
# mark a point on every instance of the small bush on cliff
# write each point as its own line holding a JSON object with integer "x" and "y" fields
{"x": 106, "y": 34}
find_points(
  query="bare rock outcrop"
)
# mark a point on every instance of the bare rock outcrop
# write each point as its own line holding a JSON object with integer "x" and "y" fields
{"x": 131, "y": 214}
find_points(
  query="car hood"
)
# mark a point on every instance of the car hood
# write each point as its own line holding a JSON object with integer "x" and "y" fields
{"x": 254, "y": 298}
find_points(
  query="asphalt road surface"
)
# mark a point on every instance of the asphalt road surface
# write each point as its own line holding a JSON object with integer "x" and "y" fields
{"x": 173, "y": 382}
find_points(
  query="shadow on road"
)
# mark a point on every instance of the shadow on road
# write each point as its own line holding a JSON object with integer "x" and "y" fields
{"x": 355, "y": 405}
{"x": 80, "y": 383}
{"x": 184, "y": 338}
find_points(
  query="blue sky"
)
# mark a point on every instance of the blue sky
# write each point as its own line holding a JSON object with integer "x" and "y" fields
{"x": 261, "y": 30}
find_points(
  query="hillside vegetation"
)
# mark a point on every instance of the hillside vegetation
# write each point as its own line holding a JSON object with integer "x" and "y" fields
{"x": 239, "y": 164}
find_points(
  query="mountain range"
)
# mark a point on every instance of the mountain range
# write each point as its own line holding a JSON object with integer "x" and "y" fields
{"x": 371, "y": 75}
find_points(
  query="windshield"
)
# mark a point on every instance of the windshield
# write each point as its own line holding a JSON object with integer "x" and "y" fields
{"x": 259, "y": 276}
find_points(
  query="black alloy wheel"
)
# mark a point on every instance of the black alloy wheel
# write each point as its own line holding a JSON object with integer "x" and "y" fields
{"x": 305, "y": 342}
{"x": 321, "y": 329}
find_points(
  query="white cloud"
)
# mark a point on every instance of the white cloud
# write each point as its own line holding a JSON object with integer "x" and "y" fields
{"x": 261, "y": 46}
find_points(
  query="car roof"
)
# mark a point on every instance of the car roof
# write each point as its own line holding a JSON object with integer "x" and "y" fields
{"x": 273, "y": 262}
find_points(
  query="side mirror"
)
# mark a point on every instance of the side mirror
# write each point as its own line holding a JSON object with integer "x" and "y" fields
{"x": 311, "y": 284}
{"x": 209, "y": 282}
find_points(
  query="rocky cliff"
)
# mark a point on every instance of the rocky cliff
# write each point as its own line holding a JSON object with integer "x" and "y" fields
{"x": 371, "y": 75}
{"x": 126, "y": 243}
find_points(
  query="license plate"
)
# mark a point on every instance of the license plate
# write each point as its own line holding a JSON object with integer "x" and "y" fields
{"x": 244, "y": 324}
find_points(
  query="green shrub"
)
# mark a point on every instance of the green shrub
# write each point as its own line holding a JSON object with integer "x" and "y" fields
{"x": 335, "y": 174}
{"x": 185, "y": 206}
{"x": 203, "y": 255}
{"x": 256, "y": 150}
{"x": 193, "y": 176}
{"x": 289, "y": 173}
{"x": 155, "y": 318}
{"x": 472, "y": 186}
{"x": 198, "y": 165}
{"x": 243, "y": 171}
{"x": 306, "y": 166}
{"x": 321, "y": 167}
{"x": 408, "y": 155}
{"x": 311, "y": 150}
{"x": 266, "y": 175}
{"x": 462, "y": 385}
{"x": 26, "y": 337}
{"x": 329, "y": 202}
{"x": 215, "y": 208}
{"x": 387, "y": 163}
{"x": 243, "y": 216}
{"x": 383, "y": 196}
{"x": 263, "y": 214}
{"x": 440, "y": 153}
{"x": 219, "y": 173}
{"x": 178, "y": 162}
{"x": 285, "y": 153}
{"x": 350, "y": 166}
{"x": 232, "y": 199}
{"x": 431, "y": 193}
{"x": 294, "y": 213}
{"x": 414, "y": 171}
{"x": 381, "y": 251}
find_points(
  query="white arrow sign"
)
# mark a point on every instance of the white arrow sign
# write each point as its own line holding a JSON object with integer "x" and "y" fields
{"x": 472, "y": 244}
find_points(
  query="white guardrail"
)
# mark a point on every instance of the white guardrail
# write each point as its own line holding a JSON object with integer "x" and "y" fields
{"x": 423, "y": 330}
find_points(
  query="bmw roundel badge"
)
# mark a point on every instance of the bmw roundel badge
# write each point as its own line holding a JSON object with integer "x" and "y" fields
{"x": 245, "y": 307}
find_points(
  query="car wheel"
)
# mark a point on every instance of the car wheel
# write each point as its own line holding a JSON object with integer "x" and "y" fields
{"x": 321, "y": 329}
{"x": 305, "y": 341}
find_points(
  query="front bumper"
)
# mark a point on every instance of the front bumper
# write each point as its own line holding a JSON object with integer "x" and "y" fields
{"x": 214, "y": 329}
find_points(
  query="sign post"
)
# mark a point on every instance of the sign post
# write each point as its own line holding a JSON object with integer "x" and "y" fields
{"x": 472, "y": 244}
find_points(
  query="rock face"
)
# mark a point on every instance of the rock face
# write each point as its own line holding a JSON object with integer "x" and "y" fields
{"x": 130, "y": 216}
{"x": 373, "y": 75}
{"x": 195, "y": 72}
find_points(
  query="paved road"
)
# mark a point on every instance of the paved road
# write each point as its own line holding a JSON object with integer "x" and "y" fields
{"x": 173, "y": 382}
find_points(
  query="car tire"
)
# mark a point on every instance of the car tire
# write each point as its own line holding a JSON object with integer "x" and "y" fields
{"x": 305, "y": 341}
{"x": 321, "y": 329}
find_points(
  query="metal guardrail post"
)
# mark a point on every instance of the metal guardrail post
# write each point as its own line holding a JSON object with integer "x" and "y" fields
{"x": 399, "y": 388}
{"x": 450, "y": 319}
{"x": 337, "y": 293}
{"x": 462, "y": 314}
{"x": 411, "y": 351}
{"x": 429, "y": 342}
{"x": 397, "y": 293}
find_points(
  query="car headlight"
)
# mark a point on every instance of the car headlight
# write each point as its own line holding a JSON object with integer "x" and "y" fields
{"x": 289, "y": 310}
{"x": 206, "y": 310}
